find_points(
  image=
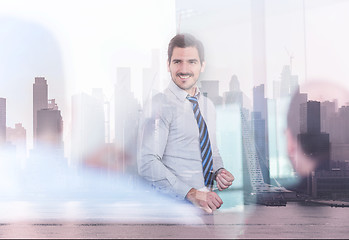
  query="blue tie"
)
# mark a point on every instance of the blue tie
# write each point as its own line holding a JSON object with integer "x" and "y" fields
{"x": 205, "y": 144}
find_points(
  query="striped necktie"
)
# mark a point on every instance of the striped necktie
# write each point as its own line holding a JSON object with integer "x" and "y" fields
{"x": 205, "y": 144}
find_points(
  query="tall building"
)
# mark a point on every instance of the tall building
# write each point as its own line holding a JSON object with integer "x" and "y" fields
{"x": 276, "y": 89}
{"x": 285, "y": 89}
{"x": 18, "y": 137}
{"x": 259, "y": 131}
{"x": 151, "y": 77}
{"x": 298, "y": 100}
{"x": 127, "y": 110}
{"x": 40, "y": 100}
{"x": 289, "y": 83}
{"x": 234, "y": 84}
{"x": 88, "y": 126}
{"x": 50, "y": 128}
{"x": 314, "y": 143}
{"x": 2, "y": 120}
{"x": 259, "y": 101}
{"x": 98, "y": 95}
{"x": 258, "y": 42}
{"x": 259, "y": 117}
{"x": 234, "y": 95}
{"x": 344, "y": 128}
{"x": 339, "y": 133}
{"x": 253, "y": 179}
{"x": 310, "y": 117}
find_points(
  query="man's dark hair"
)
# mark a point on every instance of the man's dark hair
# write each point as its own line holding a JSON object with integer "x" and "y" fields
{"x": 183, "y": 41}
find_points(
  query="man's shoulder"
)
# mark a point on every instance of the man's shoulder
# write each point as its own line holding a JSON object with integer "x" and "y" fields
{"x": 161, "y": 97}
{"x": 159, "y": 102}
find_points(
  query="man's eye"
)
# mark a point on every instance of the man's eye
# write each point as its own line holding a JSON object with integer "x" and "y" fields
{"x": 193, "y": 62}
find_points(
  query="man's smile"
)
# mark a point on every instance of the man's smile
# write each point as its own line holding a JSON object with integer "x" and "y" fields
{"x": 184, "y": 75}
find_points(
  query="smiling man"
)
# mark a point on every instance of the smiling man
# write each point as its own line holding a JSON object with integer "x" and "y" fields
{"x": 178, "y": 151}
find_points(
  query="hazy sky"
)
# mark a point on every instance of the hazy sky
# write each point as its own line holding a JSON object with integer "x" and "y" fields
{"x": 77, "y": 46}
{"x": 291, "y": 26}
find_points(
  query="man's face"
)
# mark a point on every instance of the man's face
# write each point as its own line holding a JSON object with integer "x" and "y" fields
{"x": 185, "y": 68}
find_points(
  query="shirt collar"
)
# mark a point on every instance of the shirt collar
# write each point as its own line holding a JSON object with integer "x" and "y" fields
{"x": 180, "y": 93}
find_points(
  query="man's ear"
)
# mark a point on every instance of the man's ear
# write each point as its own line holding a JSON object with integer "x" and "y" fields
{"x": 203, "y": 64}
{"x": 168, "y": 66}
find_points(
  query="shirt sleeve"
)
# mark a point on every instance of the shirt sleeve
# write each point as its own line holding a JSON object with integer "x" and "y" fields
{"x": 154, "y": 131}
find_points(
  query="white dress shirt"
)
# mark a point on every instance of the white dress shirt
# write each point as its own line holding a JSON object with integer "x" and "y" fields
{"x": 169, "y": 148}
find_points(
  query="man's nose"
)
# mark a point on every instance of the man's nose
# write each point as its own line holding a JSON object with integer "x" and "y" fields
{"x": 184, "y": 67}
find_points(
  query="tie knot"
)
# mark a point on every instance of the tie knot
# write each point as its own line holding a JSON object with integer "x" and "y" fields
{"x": 192, "y": 99}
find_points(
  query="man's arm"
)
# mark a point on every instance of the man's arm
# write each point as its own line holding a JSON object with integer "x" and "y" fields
{"x": 153, "y": 139}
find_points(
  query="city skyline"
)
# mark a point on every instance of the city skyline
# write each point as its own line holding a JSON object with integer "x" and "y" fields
{"x": 151, "y": 76}
{"x": 213, "y": 91}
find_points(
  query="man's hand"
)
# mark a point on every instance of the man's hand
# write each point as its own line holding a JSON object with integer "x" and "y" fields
{"x": 208, "y": 201}
{"x": 224, "y": 179}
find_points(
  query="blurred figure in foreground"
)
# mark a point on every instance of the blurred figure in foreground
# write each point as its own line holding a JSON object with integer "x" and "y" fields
{"x": 317, "y": 133}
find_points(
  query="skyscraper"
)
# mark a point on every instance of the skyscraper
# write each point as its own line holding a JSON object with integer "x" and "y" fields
{"x": 259, "y": 131}
{"x": 339, "y": 132}
{"x": 328, "y": 110}
{"x": 127, "y": 111}
{"x": 40, "y": 100}
{"x": 310, "y": 117}
{"x": 259, "y": 118}
{"x": 234, "y": 95}
{"x": 50, "y": 127}
{"x": 88, "y": 126}
{"x": 258, "y": 42}
{"x": 2, "y": 120}
{"x": 18, "y": 137}
{"x": 151, "y": 77}
{"x": 289, "y": 83}
{"x": 344, "y": 118}
{"x": 314, "y": 143}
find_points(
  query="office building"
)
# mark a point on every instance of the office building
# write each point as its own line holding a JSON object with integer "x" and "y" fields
{"x": 289, "y": 83}
{"x": 314, "y": 143}
{"x": 127, "y": 110}
{"x": 18, "y": 137}
{"x": 259, "y": 131}
{"x": 50, "y": 128}
{"x": 40, "y": 100}
{"x": 2, "y": 120}
{"x": 88, "y": 126}
{"x": 330, "y": 184}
